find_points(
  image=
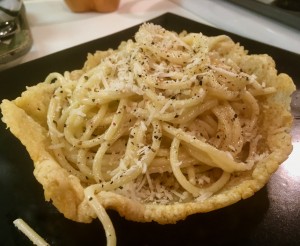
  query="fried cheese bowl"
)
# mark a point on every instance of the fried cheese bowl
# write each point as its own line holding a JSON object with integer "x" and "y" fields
{"x": 165, "y": 126}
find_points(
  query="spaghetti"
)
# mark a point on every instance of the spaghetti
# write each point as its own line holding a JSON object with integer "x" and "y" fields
{"x": 164, "y": 119}
{"x": 35, "y": 238}
{"x": 162, "y": 99}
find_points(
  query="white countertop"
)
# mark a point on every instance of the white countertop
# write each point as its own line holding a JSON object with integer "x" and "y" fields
{"x": 54, "y": 27}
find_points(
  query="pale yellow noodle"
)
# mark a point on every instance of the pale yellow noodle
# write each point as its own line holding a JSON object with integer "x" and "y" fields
{"x": 162, "y": 109}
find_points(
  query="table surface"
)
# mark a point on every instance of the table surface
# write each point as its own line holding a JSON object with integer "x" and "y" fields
{"x": 54, "y": 27}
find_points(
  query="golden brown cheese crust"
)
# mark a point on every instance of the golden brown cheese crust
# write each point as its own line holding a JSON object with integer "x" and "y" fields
{"x": 67, "y": 193}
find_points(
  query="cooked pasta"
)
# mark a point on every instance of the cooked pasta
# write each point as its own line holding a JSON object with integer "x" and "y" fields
{"x": 161, "y": 93}
{"x": 164, "y": 119}
{"x": 35, "y": 238}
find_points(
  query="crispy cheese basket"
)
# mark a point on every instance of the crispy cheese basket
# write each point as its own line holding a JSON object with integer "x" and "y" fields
{"x": 165, "y": 126}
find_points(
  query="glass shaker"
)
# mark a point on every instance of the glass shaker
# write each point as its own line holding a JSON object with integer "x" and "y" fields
{"x": 15, "y": 35}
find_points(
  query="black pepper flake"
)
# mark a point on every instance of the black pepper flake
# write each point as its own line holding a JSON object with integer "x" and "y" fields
{"x": 200, "y": 79}
{"x": 90, "y": 198}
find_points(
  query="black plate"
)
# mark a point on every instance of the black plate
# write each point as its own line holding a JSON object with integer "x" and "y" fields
{"x": 270, "y": 217}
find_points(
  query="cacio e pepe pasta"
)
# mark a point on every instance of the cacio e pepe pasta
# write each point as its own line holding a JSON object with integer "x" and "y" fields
{"x": 164, "y": 126}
